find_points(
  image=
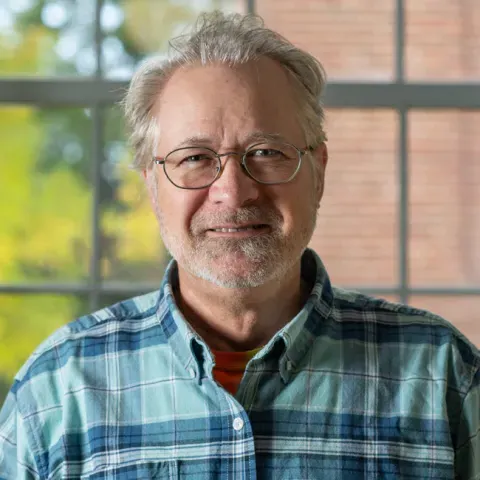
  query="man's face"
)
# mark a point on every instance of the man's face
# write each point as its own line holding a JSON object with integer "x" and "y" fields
{"x": 225, "y": 109}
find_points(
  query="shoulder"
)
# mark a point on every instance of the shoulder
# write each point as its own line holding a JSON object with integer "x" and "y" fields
{"x": 88, "y": 335}
{"x": 353, "y": 306}
{"x": 406, "y": 332}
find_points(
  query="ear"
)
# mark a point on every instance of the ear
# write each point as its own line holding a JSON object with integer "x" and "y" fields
{"x": 320, "y": 159}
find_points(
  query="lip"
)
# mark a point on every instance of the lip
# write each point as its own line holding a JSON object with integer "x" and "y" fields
{"x": 231, "y": 225}
{"x": 261, "y": 228}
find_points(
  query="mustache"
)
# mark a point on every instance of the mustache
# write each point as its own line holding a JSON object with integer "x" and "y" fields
{"x": 203, "y": 221}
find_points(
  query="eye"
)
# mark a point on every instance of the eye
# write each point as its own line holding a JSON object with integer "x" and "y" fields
{"x": 195, "y": 158}
{"x": 265, "y": 152}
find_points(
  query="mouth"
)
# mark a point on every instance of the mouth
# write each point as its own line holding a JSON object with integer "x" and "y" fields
{"x": 239, "y": 230}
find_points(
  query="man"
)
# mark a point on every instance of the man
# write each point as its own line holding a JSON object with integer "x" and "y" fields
{"x": 246, "y": 363}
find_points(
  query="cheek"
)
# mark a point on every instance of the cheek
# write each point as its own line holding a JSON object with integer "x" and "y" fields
{"x": 295, "y": 203}
{"x": 287, "y": 204}
{"x": 178, "y": 207}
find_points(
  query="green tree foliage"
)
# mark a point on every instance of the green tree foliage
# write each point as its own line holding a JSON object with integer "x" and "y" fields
{"x": 45, "y": 171}
{"x": 45, "y": 209}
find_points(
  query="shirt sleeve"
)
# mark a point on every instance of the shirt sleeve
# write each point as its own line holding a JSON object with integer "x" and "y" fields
{"x": 467, "y": 461}
{"x": 16, "y": 457}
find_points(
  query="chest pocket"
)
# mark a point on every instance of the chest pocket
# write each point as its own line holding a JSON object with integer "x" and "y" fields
{"x": 145, "y": 470}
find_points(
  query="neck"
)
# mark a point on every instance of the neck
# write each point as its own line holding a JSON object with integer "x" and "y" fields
{"x": 244, "y": 318}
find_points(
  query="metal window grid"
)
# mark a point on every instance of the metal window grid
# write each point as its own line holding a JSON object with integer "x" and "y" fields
{"x": 98, "y": 92}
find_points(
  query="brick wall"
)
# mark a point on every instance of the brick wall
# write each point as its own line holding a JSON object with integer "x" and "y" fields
{"x": 357, "y": 233}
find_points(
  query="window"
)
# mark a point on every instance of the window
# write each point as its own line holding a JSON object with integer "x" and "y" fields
{"x": 401, "y": 213}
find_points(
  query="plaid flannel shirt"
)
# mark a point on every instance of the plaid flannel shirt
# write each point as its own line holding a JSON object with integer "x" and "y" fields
{"x": 353, "y": 387}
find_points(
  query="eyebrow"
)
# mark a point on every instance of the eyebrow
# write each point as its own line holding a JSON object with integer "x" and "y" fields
{"x": 202, "y": 140}
{"x": 195, "y": 140}
{"x": 262, "y": 136}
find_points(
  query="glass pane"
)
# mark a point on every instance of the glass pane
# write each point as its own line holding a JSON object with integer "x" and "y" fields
{"x": 443, "y": 40}
{"x": 132, "y": 248}
{"x": 462, "y": 311}
{"x": 26, "y": 320}
{"x": 445, "y": 197}
{"x": 47, "y": 37}
{"x": 356, "y": 231}
{"x": 46, "y": 194}
{"x": 136, "y": 28}
{"x": 352, "y": 39}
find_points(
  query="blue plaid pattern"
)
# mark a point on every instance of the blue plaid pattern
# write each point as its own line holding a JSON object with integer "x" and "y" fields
{"x": 353, "y": 387}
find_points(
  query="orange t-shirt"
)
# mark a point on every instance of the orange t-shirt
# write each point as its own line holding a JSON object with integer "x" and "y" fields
{"x": 230, "y": 366}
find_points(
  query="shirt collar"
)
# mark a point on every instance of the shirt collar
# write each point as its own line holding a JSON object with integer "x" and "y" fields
{"x": 188, "y": 346}
{"x": 295, "y": 338}
{"x": 298, "y": 335}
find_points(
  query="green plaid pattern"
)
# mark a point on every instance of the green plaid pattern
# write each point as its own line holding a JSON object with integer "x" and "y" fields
{"x": 352, "y": 388}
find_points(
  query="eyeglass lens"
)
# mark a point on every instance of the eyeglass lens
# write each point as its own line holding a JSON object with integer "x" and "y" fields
{"x": 196, "y": 167}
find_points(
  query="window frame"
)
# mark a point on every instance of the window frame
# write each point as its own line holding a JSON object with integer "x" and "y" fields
{"x": 98, "y": 93}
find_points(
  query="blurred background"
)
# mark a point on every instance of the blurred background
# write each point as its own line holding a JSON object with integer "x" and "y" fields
{"x": 401, "y": 213}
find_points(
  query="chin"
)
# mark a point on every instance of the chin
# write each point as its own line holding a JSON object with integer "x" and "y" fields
{"x": 234, "y": 282}
{"x": 239, "y": 264}
{"x": 236, "y": 273}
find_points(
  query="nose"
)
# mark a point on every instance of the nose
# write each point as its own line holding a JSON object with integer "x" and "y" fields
{"x": 233, "y": 188}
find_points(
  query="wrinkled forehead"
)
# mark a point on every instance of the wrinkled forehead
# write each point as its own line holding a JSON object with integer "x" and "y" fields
{"x": 227, "y": 103}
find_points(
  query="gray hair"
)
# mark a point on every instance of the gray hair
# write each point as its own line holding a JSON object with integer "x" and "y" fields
{"x": 230, "y": 39}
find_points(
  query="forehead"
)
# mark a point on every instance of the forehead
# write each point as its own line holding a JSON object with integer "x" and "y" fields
{"x": 227, "y": 103}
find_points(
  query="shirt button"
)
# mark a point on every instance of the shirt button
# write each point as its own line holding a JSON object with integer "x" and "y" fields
{"x": 192, "y": 372}
{"x": 289, "y": 366}
{"x": 238, "y": 424}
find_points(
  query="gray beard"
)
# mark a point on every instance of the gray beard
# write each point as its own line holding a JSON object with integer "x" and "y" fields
{"x": 270, "y": 256}
{"x": 263, "y": 252}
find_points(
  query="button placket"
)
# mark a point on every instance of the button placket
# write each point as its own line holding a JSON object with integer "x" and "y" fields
{"x": 238, "y": 424}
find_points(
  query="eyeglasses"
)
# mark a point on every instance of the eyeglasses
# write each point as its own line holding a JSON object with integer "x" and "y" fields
{"x": 269, "y": 163}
